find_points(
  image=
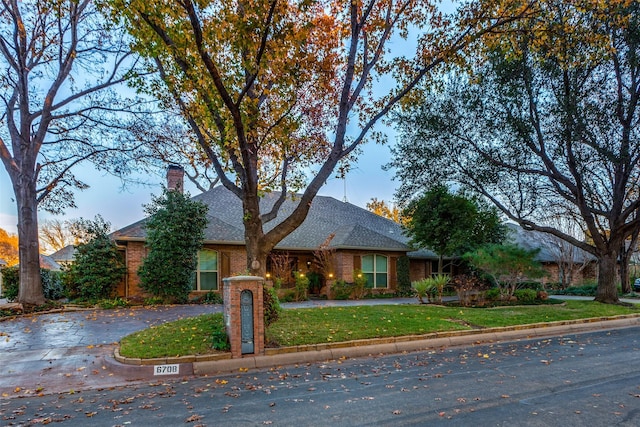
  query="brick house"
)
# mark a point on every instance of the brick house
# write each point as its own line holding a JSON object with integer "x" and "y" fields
{"x": 361, "y": 240}
{"x": 557, "y": 257}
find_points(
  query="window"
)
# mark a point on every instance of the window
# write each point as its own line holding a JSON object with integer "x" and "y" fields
{"x": 207, "y": 271}
{"x": 374, "y": 267}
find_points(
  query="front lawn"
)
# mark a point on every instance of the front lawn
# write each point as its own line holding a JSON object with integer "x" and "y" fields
{"x": 336, "y": 324}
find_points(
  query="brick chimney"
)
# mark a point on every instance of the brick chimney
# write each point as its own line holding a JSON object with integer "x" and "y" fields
{"x": 175, "y": 178}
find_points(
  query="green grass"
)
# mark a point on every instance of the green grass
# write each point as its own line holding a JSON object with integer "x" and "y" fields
{"x": 180, "y": 338}
{"x": 336, "y": 324}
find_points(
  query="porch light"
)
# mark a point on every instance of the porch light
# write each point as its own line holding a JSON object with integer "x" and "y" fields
{"x": 268, "y": 275}
{"x": 330, "y": 275}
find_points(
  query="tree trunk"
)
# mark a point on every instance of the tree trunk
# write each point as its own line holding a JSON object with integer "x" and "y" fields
{"x": 31, "y": 291}
{"x": 624, "y": 275}
{"x": 257, "y": 248}
{"x": 607, "y": 291}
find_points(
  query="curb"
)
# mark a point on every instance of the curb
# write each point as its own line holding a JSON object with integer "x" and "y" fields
{"x": 223, "y": 363}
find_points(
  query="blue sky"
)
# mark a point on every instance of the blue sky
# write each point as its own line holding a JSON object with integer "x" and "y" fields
{"x": 124, "y": 206}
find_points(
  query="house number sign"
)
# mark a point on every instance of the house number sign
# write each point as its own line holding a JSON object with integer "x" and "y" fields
{"x": 246, "y": 320}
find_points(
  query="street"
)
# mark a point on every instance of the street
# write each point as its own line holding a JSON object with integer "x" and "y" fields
{"x": 574, "y": 380}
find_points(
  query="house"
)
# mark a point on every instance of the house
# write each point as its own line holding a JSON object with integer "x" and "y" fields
{"x": 564, "y": 263}
{"x": 64, "y": 256}
{"x": 359, "y": 240}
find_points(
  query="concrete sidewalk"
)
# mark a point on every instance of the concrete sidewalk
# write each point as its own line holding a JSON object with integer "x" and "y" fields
{"x": 71, "y": 351}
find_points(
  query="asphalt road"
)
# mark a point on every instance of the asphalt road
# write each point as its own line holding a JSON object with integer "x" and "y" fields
{"x": 590, "y": 379}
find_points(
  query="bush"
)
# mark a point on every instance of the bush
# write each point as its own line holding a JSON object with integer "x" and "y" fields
{"x": 526, "y": 295}
{"x": 302, "y": 287}
{"x": 220, "y": 340}
{"x": 359, "y": 284}
{"x": 404, "y": 281}
{"x": 341, "y": 290}
{"x": 493, "y": 294}
{"x": 584, "y": 290}
{"x": 212, "y": 297}
{"x": 52, "y": 283}
{"x": 467, "y": 287}
{"x": 271, "y": 306}
{"x": 98, "y": 265}
{"x": 424, "y": 288}
{"x": 10, "y": 283}
{"x": 112, "y": 303}
{"x": 175, "y": 232}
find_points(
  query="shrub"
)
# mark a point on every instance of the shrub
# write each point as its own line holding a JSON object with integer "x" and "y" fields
{"x": 404, "y": 281}
{"x": 359, "y": 284}
{"x": 10, "y": 283}
{"x": 341, "y": 290}
{"x": 466, "y": 287}
{"x": 440, "y": 281}
{"x": 52, "y": 283}
{"x": 112, "y": 303}
{"x": 220, "y": 340}
{"x": 98, "y": 265}
{"x": 526, "y": 295}
{"x": 424, "y": 289}
{"x": 175, "y": 232}
{"x": 212, "y": 297}
{"x": 271, "y": 305}
{"x": 302, "y": 287}
{"x": 493, "y": 294}
{"x": 584, "y": 290}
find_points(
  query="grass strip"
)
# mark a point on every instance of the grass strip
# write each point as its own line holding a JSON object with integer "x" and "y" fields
{"x": 337, "y": 324}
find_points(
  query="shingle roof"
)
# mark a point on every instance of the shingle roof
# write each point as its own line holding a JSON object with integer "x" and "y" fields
{"x": 66, "y": 254}
{"x": 547, "y": 243}
{"x": 354, "y": 227}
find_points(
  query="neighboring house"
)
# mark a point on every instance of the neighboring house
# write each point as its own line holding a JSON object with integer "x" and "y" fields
{"x": 361, "y": 240}
{"x": 48, "y": 263}
{"x": 564, "y": 263}
{"x": 65, "y": 256}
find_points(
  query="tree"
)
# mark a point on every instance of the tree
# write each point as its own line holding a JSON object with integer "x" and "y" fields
{"x": 274, "y": 90}
{"x": 451, "y": 224}
{"x": 8, "y": 247}
{"x": 56, "y": 234}
{"x": 508, "y": 265}
{"x": 175, "y": 232}
{"x": 60, "y": 60}
{"x": 98, "y": 265}
{"x": 546, "y": 123}
{"x": 380, "y": 207}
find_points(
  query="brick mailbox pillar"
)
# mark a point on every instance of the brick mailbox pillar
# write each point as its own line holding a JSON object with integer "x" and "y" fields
{"x": 244, "y": 315}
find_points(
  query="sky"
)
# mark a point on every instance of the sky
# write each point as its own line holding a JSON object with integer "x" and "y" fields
{"x": 121, "y": 207}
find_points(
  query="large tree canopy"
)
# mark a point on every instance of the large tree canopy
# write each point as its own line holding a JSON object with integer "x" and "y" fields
{"x": 278, "y": 92}
{"x": 451, "y": 224}
{"x": 59, "y": 60}
{"x": 545, "y": 124}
